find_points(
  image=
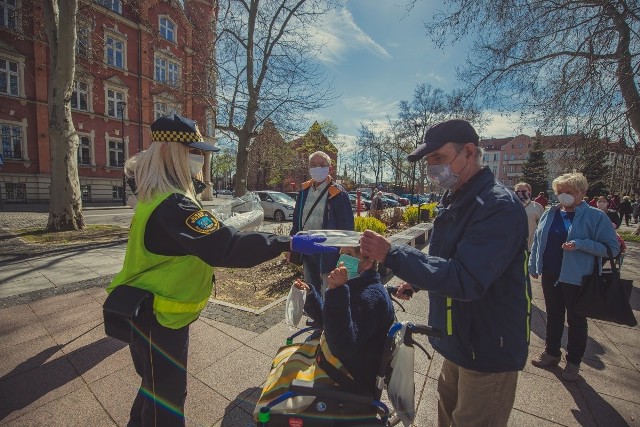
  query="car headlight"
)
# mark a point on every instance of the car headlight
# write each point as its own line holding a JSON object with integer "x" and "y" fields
{"x": 289, "y": 208}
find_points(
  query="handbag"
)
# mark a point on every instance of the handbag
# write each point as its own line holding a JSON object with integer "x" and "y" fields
{"x": 606, "y": 296}
{"x": 296, "y": 257}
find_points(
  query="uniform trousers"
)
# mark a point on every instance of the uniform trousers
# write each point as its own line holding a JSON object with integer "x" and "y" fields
{"x": 160, "y": 358}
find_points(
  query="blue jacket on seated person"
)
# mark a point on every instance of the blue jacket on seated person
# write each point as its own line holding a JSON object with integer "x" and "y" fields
{"x": 355, "y": 318}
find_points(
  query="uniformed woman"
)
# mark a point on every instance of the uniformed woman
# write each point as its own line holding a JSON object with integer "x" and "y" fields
{"x": 173, "y": 245}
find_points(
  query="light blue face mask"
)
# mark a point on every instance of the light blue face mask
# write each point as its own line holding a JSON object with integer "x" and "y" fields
{"x": 351, "y": 264}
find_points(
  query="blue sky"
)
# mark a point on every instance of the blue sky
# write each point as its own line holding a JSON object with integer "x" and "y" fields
{"x": 377, "y": 54}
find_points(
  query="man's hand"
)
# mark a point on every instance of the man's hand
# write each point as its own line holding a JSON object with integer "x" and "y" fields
{"x": 299, "y": 284}
{"x": 374, "y": 246}
{"x": 338, "y": 277}
{"x": 404, "y": 292}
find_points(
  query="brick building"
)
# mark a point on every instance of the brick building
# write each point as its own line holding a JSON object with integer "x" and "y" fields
{"x": 135, "y": 61}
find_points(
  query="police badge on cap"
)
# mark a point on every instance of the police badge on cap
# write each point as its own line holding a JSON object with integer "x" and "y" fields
{"x": 175, "y": 128}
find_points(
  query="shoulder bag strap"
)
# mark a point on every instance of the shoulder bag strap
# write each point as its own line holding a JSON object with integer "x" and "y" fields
{"x": 315, "y": 204}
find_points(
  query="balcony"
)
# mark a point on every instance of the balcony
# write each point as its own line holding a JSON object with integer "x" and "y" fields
{"x": 516, "y": 162}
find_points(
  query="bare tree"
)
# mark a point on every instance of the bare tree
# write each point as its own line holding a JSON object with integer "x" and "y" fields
{"x": 553, "y": 60}
{"x": 265, "y": 69}
{"x": 65, "y": 206}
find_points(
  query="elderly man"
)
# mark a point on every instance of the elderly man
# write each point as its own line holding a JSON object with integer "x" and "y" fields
{"x": 321, "y": 205}
{"x": 475, "y": 274}
{"x": 533, "y": 209}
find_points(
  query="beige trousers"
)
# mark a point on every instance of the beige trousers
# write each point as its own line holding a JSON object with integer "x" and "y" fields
{"x": 472, "y": 398}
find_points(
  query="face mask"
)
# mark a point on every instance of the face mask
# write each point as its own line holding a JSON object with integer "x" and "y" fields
{"x": 565, "y": 199}
{"x": 196, "y": 162}
{"x": 603, "y": 205}
{"x": 442, "y": 175}
{"x": 523, "y": 195}
{"x": 351, "y": 264}
{"x": 319, "y": 174}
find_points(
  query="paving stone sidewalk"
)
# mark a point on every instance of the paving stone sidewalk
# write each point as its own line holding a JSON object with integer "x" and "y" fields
{"x": 57, "y": 368}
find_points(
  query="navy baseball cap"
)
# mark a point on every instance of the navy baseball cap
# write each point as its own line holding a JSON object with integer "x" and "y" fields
{"x": 456, "y": 130}
{"x": 175, "y": 128}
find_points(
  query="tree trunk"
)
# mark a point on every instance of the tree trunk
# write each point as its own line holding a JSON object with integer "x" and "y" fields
{"x": 65, "y": 205}
{"x": 242, "y": 164}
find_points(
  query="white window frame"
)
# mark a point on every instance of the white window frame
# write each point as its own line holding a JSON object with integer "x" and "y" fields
{"x": 18, "y": 74}
{"x": 111, "y": 102}
{"x": 110, "y": 46}
{"x": 166, "y": 70}
{"x": 83, "y": 33}
{"x": 6, "y": 11}
{"x": 125, "y": 150}
{"x": 92, "y": 155}
{"x": 76, "y": 94}
{"x": 112, "y": 5}
{"x": 163, "y": 28}
{"x": 163, "y": 105}
{"x": 23, "y": 140}
{"x": 210, "y": 126}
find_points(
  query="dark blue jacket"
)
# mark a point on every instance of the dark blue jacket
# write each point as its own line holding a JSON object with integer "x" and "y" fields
{"x": 338, "y": 215}
{"x": 355, "y": 318}
{"x": 479, "y": 296}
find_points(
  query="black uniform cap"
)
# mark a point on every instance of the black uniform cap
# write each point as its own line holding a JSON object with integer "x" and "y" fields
{"x": 456, "y": 130}
{"x": 175, "y": 128}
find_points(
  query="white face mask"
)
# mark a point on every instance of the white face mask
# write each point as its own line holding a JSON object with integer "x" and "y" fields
{"x": 196, "y": 162}
{"x": 319, "y": 174}
{"x": 566, "y": 199}
{"x": 603, "y": 205}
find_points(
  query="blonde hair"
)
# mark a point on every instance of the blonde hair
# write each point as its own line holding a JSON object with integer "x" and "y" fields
{"x": 575, "y": 180}
{"x": 162, "y": 168}
{"x": 522, "y": 184}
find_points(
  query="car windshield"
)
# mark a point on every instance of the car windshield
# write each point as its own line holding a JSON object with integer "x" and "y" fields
{"x": 282, "y": 198}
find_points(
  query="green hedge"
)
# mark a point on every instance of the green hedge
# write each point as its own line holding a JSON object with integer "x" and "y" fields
{"x": 369, "y": 223}
{"x": 410, "y": 215}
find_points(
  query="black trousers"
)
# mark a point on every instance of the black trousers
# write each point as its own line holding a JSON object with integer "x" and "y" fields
{"x": 559, "y": 299}
{"x": 160, "y": 358}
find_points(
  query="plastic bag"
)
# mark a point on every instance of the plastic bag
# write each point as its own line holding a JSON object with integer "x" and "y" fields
{"x": 243, "y": 213}
{"x": 295, "y": 306}
{"x": 401, "y": 388}
{"x": 339, "y": 238}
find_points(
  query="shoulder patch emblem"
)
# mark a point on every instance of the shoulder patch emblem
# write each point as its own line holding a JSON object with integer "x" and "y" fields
{"x": 202, "y": 222}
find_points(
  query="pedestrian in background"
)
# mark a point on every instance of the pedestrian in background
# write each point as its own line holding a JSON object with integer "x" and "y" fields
{"x": 479, "y": 297}
{"x": 321, "y": 205}
{"x": 542, "y": 199}
{"x": 172, "y": 248}
{"x": 614, "y": 217}
{"x": 626, "y": 209}
{"x": 567, "y": 241}
{"x": 635, "y": 207}
{"x": 533, "y": 209}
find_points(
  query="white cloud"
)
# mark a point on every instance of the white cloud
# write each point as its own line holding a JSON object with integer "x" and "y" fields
{"x": 338, "y": 34}
{"x": 504, "y": 126}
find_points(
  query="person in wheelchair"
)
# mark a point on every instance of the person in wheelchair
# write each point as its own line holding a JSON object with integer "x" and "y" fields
{"x": 355, "y": 314}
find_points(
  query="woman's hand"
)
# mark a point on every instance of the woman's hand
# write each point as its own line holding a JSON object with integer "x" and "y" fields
{"x": 338, "y": 277}
{"x": 569, "y": 246}
{"x": 299, "y": 284}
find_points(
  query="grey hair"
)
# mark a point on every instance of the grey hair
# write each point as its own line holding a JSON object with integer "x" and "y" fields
{"x": 479, "y": 152}
{"x": 321, "y": 154}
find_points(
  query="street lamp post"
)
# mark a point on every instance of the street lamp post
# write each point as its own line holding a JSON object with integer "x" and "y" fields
{"x": 121, "y": 106}
{"x": 416, "y": 126}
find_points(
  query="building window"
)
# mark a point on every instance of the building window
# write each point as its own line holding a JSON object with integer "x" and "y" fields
{"x": 84, "y": 151}
{"x": 163, "y": 109}
{"x": 513, "y": 157}
{"x": 80, "y": 96}
{"x": 85, "y": 191}
{"x": 8, "y": 14}
{"x": 116, "y": 153}
{"x": 9, "y": 77}
{"x": 114, "y": 51}
{"x": 16, "y": 193}
{"x": 117, "y": 192}
{"x": 115, "y": 101}
{"x": 496, "y": 157}
{"x": 167, "y": 71}
{"x": 210, "y": 127}
{"x": 112, "y": 5}
{"x": 82, "y": 41}
{"x": 167, "y": 30}
{"x": 11, "y": 141}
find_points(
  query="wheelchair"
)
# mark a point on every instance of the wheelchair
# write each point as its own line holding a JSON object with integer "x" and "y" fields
{"x": 340, "y": 405}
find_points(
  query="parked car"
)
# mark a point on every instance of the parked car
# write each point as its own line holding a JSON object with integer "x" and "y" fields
{"x": 354, "y": 200}
{"x": 292, "y": 194}
{"x": 402, "y": 201}
{"x": 224, "y": 192}
{"x": 389, "y": 202}
{"x": 276, "y": 205}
